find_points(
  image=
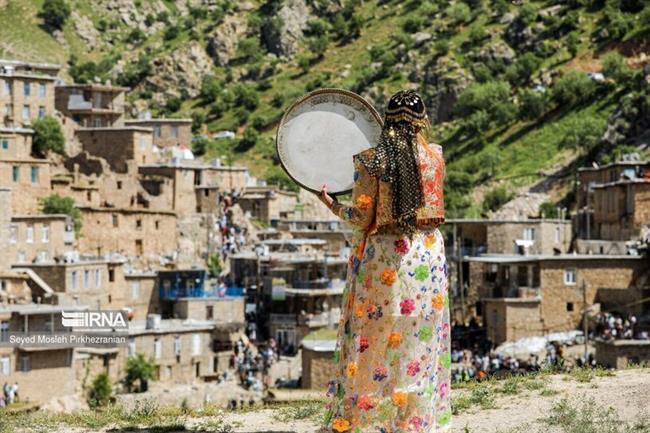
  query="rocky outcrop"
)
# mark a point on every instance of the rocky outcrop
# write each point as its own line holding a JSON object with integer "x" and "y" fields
{"x": 182, "y": 71}
{"x": 630, "y": 123}
{"x": 441, "y": 86}
{"x": 282, "y": 32}
{"x": 499, "y": 51}
{"x": 86, "y": 30}
{"x": 222, "y": 43}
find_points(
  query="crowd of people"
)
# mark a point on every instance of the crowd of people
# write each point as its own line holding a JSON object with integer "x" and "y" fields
{"x": 615, "y": 327}
{"x": 9, "y": 394}
{"x": 233, "y": 236}
{"x": 253, "y": 363}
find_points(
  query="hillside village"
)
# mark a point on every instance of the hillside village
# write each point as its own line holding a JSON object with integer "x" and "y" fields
{"x": 231, "y": 279}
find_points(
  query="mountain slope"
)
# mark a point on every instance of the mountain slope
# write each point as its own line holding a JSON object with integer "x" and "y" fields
{"x": 491, "y": 71}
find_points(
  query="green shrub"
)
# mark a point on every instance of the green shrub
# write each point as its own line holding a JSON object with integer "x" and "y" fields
{"x": 527, "y": 14}
{"x": 318, "y": 45}
{"x": 249, "y": 140}
{"x": 200, "y": 145}
{"x": 532, "y": 104}
{"x": 48, "y": 136}
{"x": 548, "y": 209}
{"x": 458, "y": 185}
{"x": 250, "y": 49}
{"x": 496, "y": 198}
{"x": 614, "y": 67}
{"x": 618, "y": 24}
{"x": 210, "y": 89}
{"x": 317, "y": 27}
{"x": 278, "y": 100}
{"x": 171, "y": 33}
{"x": 572, "y": 43}
{"x": 198, "y": 119}
{"x": 100, "y": 391}
{"x": 413, "y": 24}
{"x": 246, "y": 96}
{"x": 459, "y": 13}
{"x": 55, "y": 13}
{"x": 573, "y": 88}
{"x": 477, "y": 34}
{"x": 173, "y": 105}
{"x": 492, "y": 98}
{"x": 134, "y": 73}
{"x": 55, "y": 204}
{"x": 140, "y": 369}
{"x": 135, "y": 36}
{"x": 214, "y": 265}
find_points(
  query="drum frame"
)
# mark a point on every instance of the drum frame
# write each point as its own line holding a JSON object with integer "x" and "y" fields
{"x": 300, "y": 101}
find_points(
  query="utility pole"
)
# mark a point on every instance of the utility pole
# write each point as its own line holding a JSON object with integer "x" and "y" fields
{"x": 585, "y": 327}
{"x": 459, "y": 270}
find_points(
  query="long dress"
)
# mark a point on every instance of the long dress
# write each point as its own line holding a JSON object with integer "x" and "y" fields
{"x": 393, "y": 356}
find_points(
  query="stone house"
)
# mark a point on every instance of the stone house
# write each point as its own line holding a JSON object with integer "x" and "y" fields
{"x": 334, "y": 232}
{"x": 40, "y": 238}
{"x": 141, "y": 294}
{"x": 588, "y": 177}
{"x": 166, "y": 132}
{"x": 467, "y": 238}
{"x": 317, "y": 366}
{"x": 119, "y": 145}
{"x": 143, "y": 233}
{"x": 92, "y": 105}
{"x": 96, "y": 283}
{"x": 520, "y": 296}
{"x": 622, "y": 354}
{"x": 268, "y": 204}
{"x": 26, "y": 92}
{"x": 621, "y": 209}
{"x": 42, "y": 373}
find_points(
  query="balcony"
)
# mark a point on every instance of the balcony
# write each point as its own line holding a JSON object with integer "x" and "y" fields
{"x": 282, "y": 319}
{"x": 319, "y": 320}
{"x": 465, "y": 251}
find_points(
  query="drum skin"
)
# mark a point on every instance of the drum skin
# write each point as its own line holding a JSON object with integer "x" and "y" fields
{"x": 319, "y": 134}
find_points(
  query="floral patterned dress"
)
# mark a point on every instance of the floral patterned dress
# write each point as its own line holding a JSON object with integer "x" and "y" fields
{"x": 393, "y": 356}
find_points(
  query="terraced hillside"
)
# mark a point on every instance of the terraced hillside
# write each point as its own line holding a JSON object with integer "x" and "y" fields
{"x": 514, "y": 87}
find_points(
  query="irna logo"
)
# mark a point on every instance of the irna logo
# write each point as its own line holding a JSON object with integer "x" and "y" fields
{"x": 93, "y": 319}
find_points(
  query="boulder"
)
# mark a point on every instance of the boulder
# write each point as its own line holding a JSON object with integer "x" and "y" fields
{"x": 498, "y": 51}
{"x": 441, "y": 86}
{"x": 421, "y": 37}
{"x": 282, "y": 33}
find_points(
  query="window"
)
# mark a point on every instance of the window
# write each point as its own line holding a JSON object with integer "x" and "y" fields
{"x": 177, "y": 345}
{"x": 143, "y": 143}
{"x": 119, "y": 184}
{"x": 174, "y": 131}
{"x": 41, "y": 90}
{"x": 21, "y": 257}
{"x": 13, "y": 233}
{"x": 30, "y": 234}
{"x": 98, "y": 123}
{"x": 569, "y": 306}
{"x": 132, "y": 347}
{"x": 41, "y": 112}
{"x": 4, "y": 331}
{"x": 86, "y": 279}
{"x": 45, "y": 233}
{"x": 138, "y": 224}
{"x": 7, "y": 88}
{"x": 98, "y": 278}
{"x": 557, "y": 235}
{"x": 156, "y": 131}
{"x": 5, "y": 366}
{"x": 209, "y": 312}
{"x": 27, "y": 89}
{"x": 529, "y": 234}
{"x": 135, "y": 290}
{"x": 196, "y": 344}
{"x": 15, "y": 173}
{"x": 116, "y": 221}
{"x": 157, "y": 224}
{"x": 5, "y": 144}
{"x": 139, "y": 249}
{"x": 34, "y": 174}
{"x": 73, "y": 280}
{"x": 570, "y": 276}
{"x": 26, "y": 112}
{"x": 43, "y": 256}
{"x": 25, "y": 364}
{"x": 157, "y": 348}
{"x": 9, "y": 110}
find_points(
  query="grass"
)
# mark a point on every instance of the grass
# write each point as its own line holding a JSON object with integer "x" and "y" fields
{"x": 306, "y": 410}
{"x": 586, "y": 375}
{"x": 588, "y": 417}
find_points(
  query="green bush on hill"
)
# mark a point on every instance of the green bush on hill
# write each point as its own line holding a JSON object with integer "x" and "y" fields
{"x": 55, "y": 204}
{"x": 48, "y": 137}
{"x": 55, "y": 13}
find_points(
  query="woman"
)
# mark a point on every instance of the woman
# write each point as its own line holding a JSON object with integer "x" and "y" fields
{"x": 393, "y": 356}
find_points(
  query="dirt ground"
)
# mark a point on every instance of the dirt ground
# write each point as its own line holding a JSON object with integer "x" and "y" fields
{"x": 627, "y": 392}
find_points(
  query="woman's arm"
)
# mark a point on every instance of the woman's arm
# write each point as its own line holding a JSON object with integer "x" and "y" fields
{"x": 364, "y": 199}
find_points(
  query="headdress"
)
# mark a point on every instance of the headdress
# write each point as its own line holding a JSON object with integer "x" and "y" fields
{"x": 395, "y": 159}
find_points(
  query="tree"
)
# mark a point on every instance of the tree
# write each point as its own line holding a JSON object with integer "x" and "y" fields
{"x": 583, "y": 133}
{"x": 318, "y": 45}
{"x": 55, "y": 204}
{"x": 492, "y": 98}
{"x": 210, "y": 89}
{"x": 48, "y": 137}
{"x": 573, "y": 88}
{"x": 214, "y": 265}
{"x": 532, "y": 104}
{"x": 198, "y": 119}
{"x": 459, "y": 12}
{"x": 548, "y": 209}
{"x": 495, "y": 198}
{"x": 251, "y": 135}
{"x": 140, "y": 369}
{"x": 572, "y": 43}
{"x": 246, "y": 96}
{"x": 55, "y": 13}
{"x": 100, "y": 391}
